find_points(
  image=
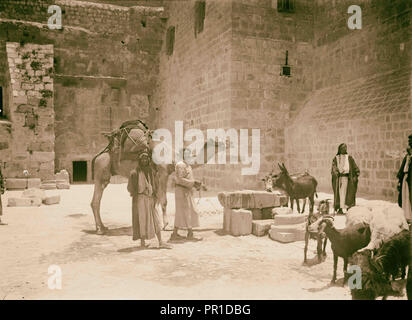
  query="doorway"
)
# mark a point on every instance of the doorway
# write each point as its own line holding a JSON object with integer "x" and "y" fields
{"x": 79, "y": 171}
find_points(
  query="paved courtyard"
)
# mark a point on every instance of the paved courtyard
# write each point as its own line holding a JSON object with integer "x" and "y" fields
{"x": 113, "y": 267}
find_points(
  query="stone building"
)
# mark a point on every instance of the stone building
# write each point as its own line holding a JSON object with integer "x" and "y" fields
{"x": 212, "y": 64}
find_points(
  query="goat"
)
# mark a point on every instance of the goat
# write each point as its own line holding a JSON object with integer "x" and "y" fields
{"x": 323, "y": 209}
{"x": 344, "y": 243}
{"x": 384, "y": 222}
{"x": 377, "y": 270}
{"x": 300, "y": 187}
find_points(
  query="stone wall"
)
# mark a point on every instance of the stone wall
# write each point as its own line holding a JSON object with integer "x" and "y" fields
{"x": 261, "y": 97}
{"x": 194, "y": 82}
{"x": 31, "y": 110}
{"x": 105, "y": 63}
{"x": 363, "y": 96}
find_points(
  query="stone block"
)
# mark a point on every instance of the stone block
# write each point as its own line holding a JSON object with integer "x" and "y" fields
{"x": 34, "y": 193}
{"x": 288, "y": 233}
{"x": 286, "y": 237}
{"x": 282, "y": 211}
{"x": 52, "y": 200}
{"x": 227, "y": 215}
{"x": 290, "y": 228}
{"x": 43, "y": 156}
{"x": 256, "y": 214}
{"x": 267, "y": 213}
{"x": 290, "y": 219}
{"x": 62, "y": 176}
{"x": 34, "y": 183}
{"x": 24, "y": 202}
{"x": 62, "y": 185}
{"x": 16, "y": 184}
{"x": 48, "y": 186}
{"x": 251, "y": 199}
{"x": 261, "y": 227}
{"x": 241, "y": 222}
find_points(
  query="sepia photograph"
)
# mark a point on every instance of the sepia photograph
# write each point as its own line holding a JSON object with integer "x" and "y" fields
{"x": 208, "y": 150}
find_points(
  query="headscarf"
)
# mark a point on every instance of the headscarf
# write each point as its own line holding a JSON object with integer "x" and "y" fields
{"x": 340, "y": 146}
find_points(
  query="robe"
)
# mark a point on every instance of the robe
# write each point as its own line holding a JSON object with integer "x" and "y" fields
{"x": 405, "y": 180}
{"x": 146, "y": 221}
{"x": 186, "y": 216}
{"x": 352, "y": 187}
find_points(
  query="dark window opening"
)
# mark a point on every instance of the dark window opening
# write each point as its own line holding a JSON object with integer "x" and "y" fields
{"x": 2, "y": 113}
{"x": 170, "y": 40}
{"x": 286, "y": 68}
{"x": 200, "y": 14}
{"x": 286, "y": 6}
{"x": 79, "y": 171}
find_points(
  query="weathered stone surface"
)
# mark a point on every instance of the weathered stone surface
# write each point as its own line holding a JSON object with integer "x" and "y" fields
{"x": 290, "y": 219}
{"x": 282, "y": 211}
{"x": 227, "y": 216}
{"x": 16, "y": 184}
{"x": 267, "y": 213}
{"x": 49, "y": 200}
{"x": 34, "y": 193}
{"x": 241, "y": 222}
{"x": 250, "y": 199}
{"x": 286, "y": 237}
{"x": 256, "y": 214}
{"x": 34, "y": 183}
{"x": 291, "y": 228}
{"x": 62, "y": 176}
{"x": 24, "y": 202}
{"x": 48, "y": 186}
{"x": 62, "y": 185}
{"x": 261, "y": 227}
{"x": 288, "y": 233}
{"x": 43, "y": 156}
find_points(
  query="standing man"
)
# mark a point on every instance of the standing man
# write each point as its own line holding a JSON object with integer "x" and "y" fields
{"x": 186, "y": 216}
{"x": 1, "y": 192}
{"x": 142, "y": 186}
{"x": 345, "y": 175}
{"x": 405, "y": 183}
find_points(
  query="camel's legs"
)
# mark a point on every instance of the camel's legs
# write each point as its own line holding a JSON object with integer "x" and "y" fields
{"x": 102, "y": 178}
{"x": 97, "y": 197}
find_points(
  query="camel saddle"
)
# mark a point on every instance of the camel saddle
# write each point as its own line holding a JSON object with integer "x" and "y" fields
{"x": 129, "y": 140}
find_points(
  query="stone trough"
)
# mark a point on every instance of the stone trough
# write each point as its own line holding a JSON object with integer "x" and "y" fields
{"x": 242, "y": 210}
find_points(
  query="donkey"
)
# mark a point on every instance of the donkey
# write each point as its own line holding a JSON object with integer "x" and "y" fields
{"x": 300, "y": 187}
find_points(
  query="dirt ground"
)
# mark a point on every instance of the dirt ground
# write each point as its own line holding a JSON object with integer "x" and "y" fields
{"x": 113, "y": 267}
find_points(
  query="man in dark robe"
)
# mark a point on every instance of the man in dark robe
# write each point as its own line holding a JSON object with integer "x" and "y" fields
{"x": 405, "y": 183}
{"x": 345, "y": 175}
{"x": 143, "y": 186}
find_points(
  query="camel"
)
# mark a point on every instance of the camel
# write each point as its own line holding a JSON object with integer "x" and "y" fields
{"x": 117, "y": 160}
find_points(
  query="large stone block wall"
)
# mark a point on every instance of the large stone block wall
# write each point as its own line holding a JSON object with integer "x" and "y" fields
{"x": 261, "y": 97}
{"x": 106, "y": 66}
{"x": 363, "y": 96}
{"x": 194, "y": 82}
{"x": 31, "y": 110}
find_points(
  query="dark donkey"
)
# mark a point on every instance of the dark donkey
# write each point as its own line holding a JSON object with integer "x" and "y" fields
{"x": 300, "y": 187}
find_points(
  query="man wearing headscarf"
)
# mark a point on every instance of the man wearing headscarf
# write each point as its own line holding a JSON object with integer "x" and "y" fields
{"x": 186, "y": 216}
{"x": 405, "y": 182}
{"x": 142, "y": 187}
{"x": 345, "y": 175}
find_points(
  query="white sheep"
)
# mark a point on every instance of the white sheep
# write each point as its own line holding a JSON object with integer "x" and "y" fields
{"x": 384, "y": 220}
